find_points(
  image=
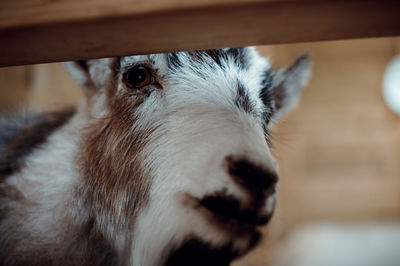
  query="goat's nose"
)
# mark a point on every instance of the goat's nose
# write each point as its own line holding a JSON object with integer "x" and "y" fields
{"x": 260, "y": 184}
{"x": 253, "y": 177}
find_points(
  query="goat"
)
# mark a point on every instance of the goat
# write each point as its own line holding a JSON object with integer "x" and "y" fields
{"x": 166, "y": 162}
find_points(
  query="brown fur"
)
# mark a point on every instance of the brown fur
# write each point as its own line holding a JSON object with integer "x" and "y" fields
{"x": 117, "y": 183}
{"x": 115, "y": 186}
{"x": 108, "y": 146}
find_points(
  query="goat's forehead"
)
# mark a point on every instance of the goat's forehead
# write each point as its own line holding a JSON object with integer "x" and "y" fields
{"x": 214, "y": 76}
{"x": 243, "y": 59}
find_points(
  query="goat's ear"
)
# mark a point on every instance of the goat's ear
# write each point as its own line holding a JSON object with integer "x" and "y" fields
{"x": 92, "y": 75}
{"x": 79, "y": 71}
{"x": 282, "y": 91}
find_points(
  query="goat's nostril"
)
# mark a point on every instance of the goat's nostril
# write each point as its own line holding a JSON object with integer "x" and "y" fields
{"x": 250, "y": 175}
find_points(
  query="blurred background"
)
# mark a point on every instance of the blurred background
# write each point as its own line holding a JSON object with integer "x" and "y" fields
{"x": 339, "y": 154}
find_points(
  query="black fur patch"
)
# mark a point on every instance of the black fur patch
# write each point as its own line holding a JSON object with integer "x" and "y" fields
{"x": 83, "y": 65}
{"x": 173, "y": 60}
{"x": 10, "y": 126}
{"x": 30, "y": 138}
{"x": 218, "y": 56}
{"x": 240, "y": 56}
{"x": 197, "y": 253}
{"x": 266, "y": 95}
{"x": 242, "y": 99}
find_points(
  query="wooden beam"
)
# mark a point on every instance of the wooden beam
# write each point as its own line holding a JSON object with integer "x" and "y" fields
{"x": 37, "y": 31}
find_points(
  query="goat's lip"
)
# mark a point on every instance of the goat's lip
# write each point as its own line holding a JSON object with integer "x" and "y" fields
{"x": 233, "y": 219}
{"x": 196, "y": 252}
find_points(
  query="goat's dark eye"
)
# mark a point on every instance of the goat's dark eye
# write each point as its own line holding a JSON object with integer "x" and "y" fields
{"x": 137, "y": 77}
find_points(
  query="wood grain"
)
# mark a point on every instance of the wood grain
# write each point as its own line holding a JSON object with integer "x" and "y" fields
{"x": 338, "y": 153}
{"x": 37, "y": 31}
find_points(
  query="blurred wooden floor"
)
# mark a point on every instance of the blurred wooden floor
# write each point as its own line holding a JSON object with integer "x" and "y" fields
{"x": 339, "y": 152}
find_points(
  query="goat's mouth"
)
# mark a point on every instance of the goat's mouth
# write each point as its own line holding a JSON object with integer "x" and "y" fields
{"x": 196, "y": 252}
{"x": 228, "y": 210}
{"x": 225, "y": 213}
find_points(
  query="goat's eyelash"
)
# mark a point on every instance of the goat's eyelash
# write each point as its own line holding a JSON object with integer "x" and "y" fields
{"x": 126, "y": 68}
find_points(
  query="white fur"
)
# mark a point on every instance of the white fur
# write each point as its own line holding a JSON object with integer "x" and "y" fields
{"x": 199, "y": 125}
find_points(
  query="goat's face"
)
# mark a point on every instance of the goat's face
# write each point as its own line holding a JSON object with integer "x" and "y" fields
{"x": 178, "y": 150}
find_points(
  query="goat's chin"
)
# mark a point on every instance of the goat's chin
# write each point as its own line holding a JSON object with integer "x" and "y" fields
{"x": 195, "y": 251}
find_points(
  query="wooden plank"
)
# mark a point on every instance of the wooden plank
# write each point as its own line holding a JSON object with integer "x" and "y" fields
{"x": 37, "y": 31}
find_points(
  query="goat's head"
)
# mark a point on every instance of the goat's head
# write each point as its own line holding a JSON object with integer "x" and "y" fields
{"x": 176, "y": 156}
